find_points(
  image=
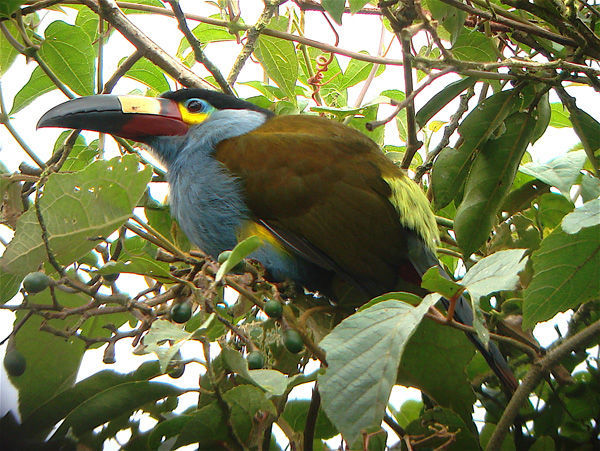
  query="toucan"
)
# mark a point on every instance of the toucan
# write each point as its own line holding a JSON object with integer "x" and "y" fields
{"x": 334, "y": 214}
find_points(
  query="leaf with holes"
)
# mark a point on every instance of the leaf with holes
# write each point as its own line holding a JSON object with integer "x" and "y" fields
{"x": 76, "y": 209}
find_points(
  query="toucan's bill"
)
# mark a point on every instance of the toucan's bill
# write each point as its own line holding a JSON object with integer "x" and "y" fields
{"x": 131, "y": 117}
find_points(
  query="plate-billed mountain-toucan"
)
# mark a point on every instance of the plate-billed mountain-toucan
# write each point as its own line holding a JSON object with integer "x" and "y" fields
{"x": 335, "y": 214}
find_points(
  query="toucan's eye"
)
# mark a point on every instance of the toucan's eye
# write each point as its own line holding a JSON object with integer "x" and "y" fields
{"x": 197, "y": 105}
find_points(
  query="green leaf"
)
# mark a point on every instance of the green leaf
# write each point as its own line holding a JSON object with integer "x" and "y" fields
{"x": 452, "y": 19}
{"x": 295, "y": 413}
{"x": 148, "y": 74}
{"x": 113, "y": 402}
{"x": 278, "y": 59}
{"x": 245, "y": 402}
{"x": 561, "y": 172}
{"x": 76, "y": 207}
{"x": 69, "y": 53}
{"x": 271, "y": 381}
{"x": 558, "y": 116}
{"x": 205, "y": 33}
{"x": 8, "y": 53}
{"x": 489, "y": 181}
{"x": 475, "y": 130}
{"x": 335, "y": 8}
{"x": 588, "y": 215}
{"x": 410, "y": 410}
{"x": 552, "y": 207}
{"x": 565, "y": 274}
{"x": 60, "y": 405}
{"x": 441, "y": 99}
{"x": 588, "y": 131}
{"x": 363, "y": 353}
{"x": 496, "y": 272}
{"x": 590, "y": 187}
{"x": 474, "y": 46}
{"x": 356, "y": 72}
{"x": 434, "y": 281}
{"x": 434, "y": 361}
{"x": 357, "y": 5}
{"x": 52, "y": 362}
{"x": 206, "y": 426}
{"x": 38, "y": 84}
{"x": 87, "y": 20}
{"x": 7, "y": 7}
{"x": 175, "y": 335}
{"x": 239, "y": 252}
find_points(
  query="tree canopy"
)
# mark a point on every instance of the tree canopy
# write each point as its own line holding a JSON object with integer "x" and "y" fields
{"x": 97, "y": 261}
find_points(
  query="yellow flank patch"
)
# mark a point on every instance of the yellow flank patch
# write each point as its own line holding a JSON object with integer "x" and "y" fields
{"x": 139, "y": 104}
{"x": 251, "y": 228}
{"x": 413, "y": 209}
{"x": 189, "y": 117}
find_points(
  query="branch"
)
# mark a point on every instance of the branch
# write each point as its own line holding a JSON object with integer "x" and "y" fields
{"x": 197, "y": 48}
{"x": 108, "y": 10}
{"x": 538, "y": 371}
{"x": 252, "y": 36}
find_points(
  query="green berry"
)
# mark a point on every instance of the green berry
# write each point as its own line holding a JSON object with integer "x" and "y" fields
{"x": 273, "y": 309}
{"x": 181, "y": 312}
{"x": 110, "y": 277}
{"x": 255, "y": 360}
{"x": 223, "y": 256}
{"x": 34, "y": 282}
{"x": 177, "y": 371}
{"x": 14, "y": 362}
{"x": 293, "y": 341}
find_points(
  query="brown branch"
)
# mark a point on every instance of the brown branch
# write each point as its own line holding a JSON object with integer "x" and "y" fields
{"x": 109, "y": 11}
{"x": 197, "y": 48}
{"x": 538, "y": 371}
{"x": 311, "y": 419}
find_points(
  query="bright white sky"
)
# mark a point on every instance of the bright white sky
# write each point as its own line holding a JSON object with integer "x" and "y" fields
{"x": 555, "y": 142}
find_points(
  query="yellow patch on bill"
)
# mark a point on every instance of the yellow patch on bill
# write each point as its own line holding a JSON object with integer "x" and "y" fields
{"x": 139, "y": 104}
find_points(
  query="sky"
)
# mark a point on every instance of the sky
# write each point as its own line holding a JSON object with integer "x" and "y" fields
{"x": 554, "y": 143}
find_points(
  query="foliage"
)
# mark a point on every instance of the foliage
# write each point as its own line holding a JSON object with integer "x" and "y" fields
{"x": 528, "y": 234}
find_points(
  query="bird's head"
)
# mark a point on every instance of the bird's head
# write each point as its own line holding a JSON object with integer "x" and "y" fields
{"x": 142, "y": 118}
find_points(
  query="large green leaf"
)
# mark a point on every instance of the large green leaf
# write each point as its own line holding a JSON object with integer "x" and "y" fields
{"x": 52, "y": 362}
{"x": 565, "y": 274}
{"x": 588, "y": 215}
{"x": 76, "y": 207}
{"x": 60, "y": 405}
{"x": 9, "y": 6}
{"x": 475, "y": 130}
{"x": 489, "y": 181}
{"x": 588, "y": 130}
{"x": 87, "y": 20}
{"x": 496, "y": 272}
{"x": 363, "y": 353}
{"x": 8, "y": 53}
{"x": 69, "y": 53}
{"x": 452, "y": 19}
{"x": 356, "y": 5}
{"x": 278, "y": 59}
{"x": 474, "y": 46}
{"x": 558, "y": 117}
{"x": 112, "y": 402}
{"x": 38, "y": 84}
{"x": 356, "y": 72}
{"x": 561, "y": 172}
{"x": 434, "y": 361}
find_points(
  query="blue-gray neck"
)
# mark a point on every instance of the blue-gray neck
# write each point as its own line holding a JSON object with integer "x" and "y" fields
{"x": 205, "y": 198}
